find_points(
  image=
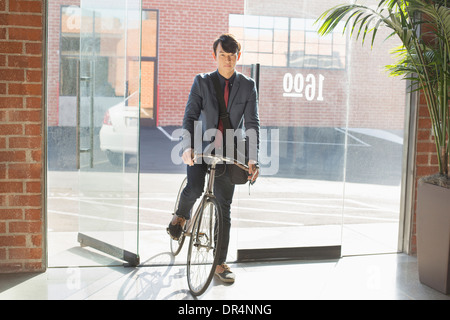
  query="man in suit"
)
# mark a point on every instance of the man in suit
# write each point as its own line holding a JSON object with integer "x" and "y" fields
{"x": 202, "y": 110}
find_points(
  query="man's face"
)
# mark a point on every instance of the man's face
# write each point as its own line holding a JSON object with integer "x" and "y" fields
{"x": 226, "y": 62}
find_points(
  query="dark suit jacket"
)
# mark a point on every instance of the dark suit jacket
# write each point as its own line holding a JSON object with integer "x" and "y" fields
{"x": 202, "y": 110}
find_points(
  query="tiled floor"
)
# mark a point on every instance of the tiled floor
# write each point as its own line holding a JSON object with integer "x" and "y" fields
{"x": 384, "y": 276}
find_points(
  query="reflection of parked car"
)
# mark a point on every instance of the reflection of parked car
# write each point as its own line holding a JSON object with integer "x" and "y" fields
{"x": 119, "y": 134}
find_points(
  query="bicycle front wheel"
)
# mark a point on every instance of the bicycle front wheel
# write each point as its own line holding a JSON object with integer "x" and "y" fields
{"x": 204, "y": 247}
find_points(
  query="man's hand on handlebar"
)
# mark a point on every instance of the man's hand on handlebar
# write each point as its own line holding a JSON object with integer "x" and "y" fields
{"x": 253, "y": 171}
{"x": 188, "y": 157}
{"x": 253, "y": 168}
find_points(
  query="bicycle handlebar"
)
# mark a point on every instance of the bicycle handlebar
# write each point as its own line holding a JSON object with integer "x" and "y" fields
{"x": 218, "y": 158}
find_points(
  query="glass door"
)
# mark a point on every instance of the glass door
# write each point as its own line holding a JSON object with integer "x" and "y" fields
{"x": 332, "y": 125}
{"x": 108, "y": 127}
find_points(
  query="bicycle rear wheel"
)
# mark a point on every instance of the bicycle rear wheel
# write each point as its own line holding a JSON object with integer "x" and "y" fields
{"x": 176, "y": 245}
{"x": 204, "y": 245}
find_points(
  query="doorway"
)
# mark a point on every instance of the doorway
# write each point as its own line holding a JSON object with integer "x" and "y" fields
{"x": 93, "y": 165}
{"x": 332, "y": 168}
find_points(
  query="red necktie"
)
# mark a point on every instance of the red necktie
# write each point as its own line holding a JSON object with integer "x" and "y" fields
{"x": 219, "y": 137}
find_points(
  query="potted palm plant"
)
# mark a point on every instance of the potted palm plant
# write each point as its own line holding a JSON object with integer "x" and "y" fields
{"x": 423, "y": 27}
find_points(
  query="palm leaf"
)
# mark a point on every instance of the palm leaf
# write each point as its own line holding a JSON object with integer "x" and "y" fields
{"x": 423, "y": 62}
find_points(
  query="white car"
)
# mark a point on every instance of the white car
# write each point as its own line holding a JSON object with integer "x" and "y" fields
{"x": 119, "y": 134}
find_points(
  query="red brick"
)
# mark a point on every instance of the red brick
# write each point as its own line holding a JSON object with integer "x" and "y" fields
{"x": 12, "y": 241}
{"x": 423, "y": 135}
{"x": 25, "y": 253}
{"x": 33, "y": 103}
{"x": 25, "y": 34}
{"x": 33, "y": 130}
{"x": 25, "y": 6}
{"x": 12, "y": 156}
{"x": 21, "y": 20}
{"x": 11, "y": 214}
{"x": 25, "y": 200}
{"x": 426, "y": 147}
{"x": 11, "y": 266}
{"x": 423, "y": 159}
{"x": 36, "y": 155}
{"x": 24, "y": 171}
{"x": 33, "y": 214}
{"x": 36, "y": 240}
{"x": 33, "y": 48}
{"x": 11, "y": 187}
{"x": 33, "y": 187}
{"x": 11, "y": 129}
{"x": 33, "y": 76}
{"x": 25, "y": 116}
{"x": 12, "y": 75}
{"x": 423, "y": 171}
{"x": 24, "y": 89}
{"x": 25, "y": 227}
{"x": 34, "y": 266}
{"x": 11, "y": 47}
{"x": 11, "y": 102}
{"x": 25, "y": 142}
{"x": 2, "y": 171}
{"x": 24, "y": 61}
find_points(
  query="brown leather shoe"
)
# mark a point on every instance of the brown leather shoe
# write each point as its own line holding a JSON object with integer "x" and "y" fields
{"x": 224, "y": 273}
{"x": 176, "y": 226}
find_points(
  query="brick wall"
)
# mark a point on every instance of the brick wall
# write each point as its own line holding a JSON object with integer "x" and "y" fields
{"x": 21, "y": 136}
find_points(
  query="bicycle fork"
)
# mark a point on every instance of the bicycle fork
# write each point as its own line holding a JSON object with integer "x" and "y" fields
{"x": 205, "y": 239}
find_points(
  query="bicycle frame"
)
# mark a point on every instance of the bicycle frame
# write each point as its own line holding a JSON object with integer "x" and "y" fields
{"x": 208, "y": 193}
{"x": 215, "y": 159}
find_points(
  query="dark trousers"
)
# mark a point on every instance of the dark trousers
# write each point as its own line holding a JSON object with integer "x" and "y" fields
{"x": 223, "y": 190}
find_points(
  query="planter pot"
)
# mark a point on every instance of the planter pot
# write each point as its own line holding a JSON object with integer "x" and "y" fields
{"x": 433, "y": 236}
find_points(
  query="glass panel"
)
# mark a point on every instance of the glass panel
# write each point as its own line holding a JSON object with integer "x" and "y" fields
{"x": 92, "y": 87}
{"x": 331, "y": 145}
{"x": 109, "y": 124}
{"x": 63, "y": 43}
{"x": 375, "y": 148}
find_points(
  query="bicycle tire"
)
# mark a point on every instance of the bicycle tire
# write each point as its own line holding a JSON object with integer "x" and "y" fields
{"x": 176, "y": 245}
{"x": 204, "y": 244}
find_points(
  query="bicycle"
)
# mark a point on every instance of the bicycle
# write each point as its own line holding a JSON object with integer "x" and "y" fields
{"x": 204, "y": 229}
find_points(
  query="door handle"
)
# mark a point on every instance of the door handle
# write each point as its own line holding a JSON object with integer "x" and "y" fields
{"x": 78, "y": 117}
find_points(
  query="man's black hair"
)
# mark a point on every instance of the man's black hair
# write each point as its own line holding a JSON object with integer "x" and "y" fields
{"x": 228, "y": 42}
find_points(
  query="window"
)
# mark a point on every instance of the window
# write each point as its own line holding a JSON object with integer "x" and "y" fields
{"x": 287, "y": 42}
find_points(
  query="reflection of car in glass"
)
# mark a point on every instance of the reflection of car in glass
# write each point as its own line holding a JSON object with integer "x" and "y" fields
{"x": 119, "y": 133}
